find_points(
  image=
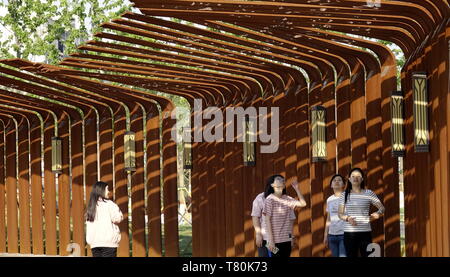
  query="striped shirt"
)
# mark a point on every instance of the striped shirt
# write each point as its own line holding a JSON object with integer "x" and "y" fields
{"x": 358, "y": 207}
{"x": 257, "y": 211}
{"x": 280, "y": 209}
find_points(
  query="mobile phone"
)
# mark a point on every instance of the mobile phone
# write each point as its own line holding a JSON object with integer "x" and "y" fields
{"x": 275, "y": 250}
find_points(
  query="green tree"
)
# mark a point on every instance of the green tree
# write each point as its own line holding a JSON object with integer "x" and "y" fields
{"x": 52, "y": 28}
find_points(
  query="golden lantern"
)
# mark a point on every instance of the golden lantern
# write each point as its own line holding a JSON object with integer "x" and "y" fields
{"x": 421, "y": 125}
{"x": 57, "y": 155}
{"x": 319, "y": 141}
{"x": 397, "y": 131}
{"x": 130, "y": 151}
{"x": 187, "y": 145}
{"x": 249, "y": 142}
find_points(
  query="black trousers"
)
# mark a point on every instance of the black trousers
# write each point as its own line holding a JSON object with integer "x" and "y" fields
{"x": 284, "y": 250}
{"x": 355, "y": 241}
{"x": 104, "y": 252}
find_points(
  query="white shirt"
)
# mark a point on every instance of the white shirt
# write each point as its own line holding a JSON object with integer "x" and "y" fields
{"x": 336, "y": 224}
{"x": 103, "y": 231}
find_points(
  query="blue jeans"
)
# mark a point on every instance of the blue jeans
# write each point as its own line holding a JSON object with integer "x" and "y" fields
{"x": 263, "y": 251}
{"x": 336, "y": 244}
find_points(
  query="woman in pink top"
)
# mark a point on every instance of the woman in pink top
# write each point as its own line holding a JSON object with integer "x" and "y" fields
{"x": 259, "y": 221}
{"x": 277, "y": 209}
{"x": 102, "y": 217}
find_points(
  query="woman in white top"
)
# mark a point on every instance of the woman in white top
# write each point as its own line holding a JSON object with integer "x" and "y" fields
{"x": 102, "y": 217}
{"x": 334, "y": 228}
{"x": 354, "y": 208}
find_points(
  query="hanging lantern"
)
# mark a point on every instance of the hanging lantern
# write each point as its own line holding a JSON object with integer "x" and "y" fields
{"x": 397, "y": 131}
{"x": 421, "y": 126}
{"x": 187, "y": 145}
{"x": 57, "y": 155}
{"x": 130, "y": 151}
{"x": 318, "y": 125}
{"x": 249, "y": 142}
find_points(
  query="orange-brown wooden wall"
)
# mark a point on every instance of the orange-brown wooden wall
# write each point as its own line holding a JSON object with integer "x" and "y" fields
{"x": 427, "y": 193}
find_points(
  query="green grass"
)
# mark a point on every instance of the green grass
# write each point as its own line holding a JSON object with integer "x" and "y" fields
{"x": 185, "y": 240}
{"x": 185, "y": 232}
{"x": 402, "y": 247}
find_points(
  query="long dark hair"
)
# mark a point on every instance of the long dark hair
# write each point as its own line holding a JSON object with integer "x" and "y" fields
{"x": 97, "y": 193}
{"x": 269, "y": 189}
{"x": 349, "y": 184}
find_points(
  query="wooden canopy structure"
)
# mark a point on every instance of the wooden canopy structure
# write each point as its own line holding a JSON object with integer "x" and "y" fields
{"x": 294, "y": 55}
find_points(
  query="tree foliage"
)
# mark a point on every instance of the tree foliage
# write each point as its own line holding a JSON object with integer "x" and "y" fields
{"x": 52, "y": 28}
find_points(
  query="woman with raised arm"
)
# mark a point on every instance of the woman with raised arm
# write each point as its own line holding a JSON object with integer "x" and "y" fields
{"x": 277, "y": 210}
